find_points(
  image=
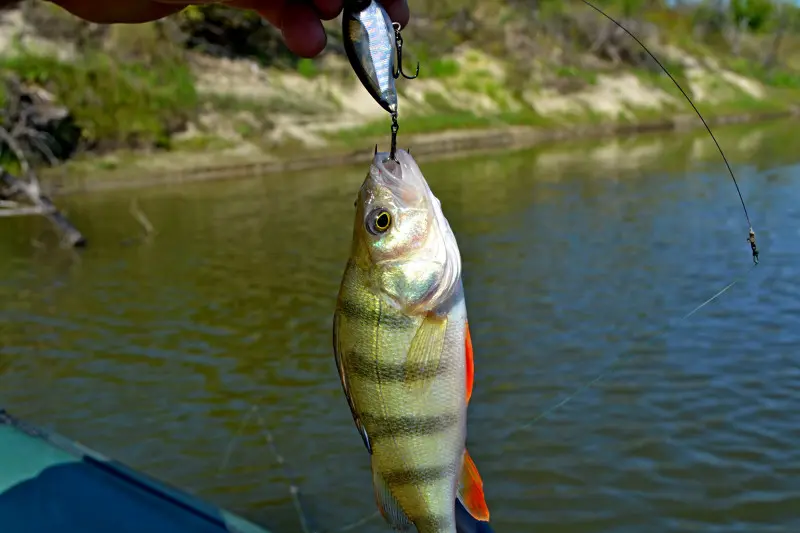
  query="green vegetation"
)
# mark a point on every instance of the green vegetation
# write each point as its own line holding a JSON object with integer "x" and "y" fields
{"x": 487, "y": 64}
{"x": 443, "y": 68}
{"x": 132, "y": 89}
{"x": 114, "y": 104}
{"x": 452, "y": 120}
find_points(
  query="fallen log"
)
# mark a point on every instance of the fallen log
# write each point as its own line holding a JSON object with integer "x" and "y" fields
{"x": 12, "y": 188}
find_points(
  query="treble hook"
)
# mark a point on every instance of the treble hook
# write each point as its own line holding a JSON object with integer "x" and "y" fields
{"x": 399, "y": 67}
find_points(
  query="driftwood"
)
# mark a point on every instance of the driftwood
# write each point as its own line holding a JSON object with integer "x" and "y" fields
{"x": 15, "y": 191}
{"x": 26, "y": 124}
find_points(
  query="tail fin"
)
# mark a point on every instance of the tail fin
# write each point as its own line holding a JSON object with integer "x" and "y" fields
{"x": 465, "y": 523}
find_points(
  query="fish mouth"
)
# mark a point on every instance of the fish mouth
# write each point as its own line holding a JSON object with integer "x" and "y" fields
{"x": 397, "y": 180}
{"x": 383, "y": 161}
{"x": 400, "y": 173}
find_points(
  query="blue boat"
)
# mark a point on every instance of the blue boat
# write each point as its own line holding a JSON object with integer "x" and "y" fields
{"x": 49, "y": 484}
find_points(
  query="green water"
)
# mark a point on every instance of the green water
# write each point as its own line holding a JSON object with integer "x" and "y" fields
{"x": 574, "y": 256}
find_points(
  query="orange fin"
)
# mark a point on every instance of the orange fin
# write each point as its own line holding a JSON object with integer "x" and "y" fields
{"x": 470, "y": 362}
{"x": 470, "y": 490}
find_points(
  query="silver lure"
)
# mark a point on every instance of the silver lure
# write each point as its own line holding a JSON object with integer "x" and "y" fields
{"x": 371, "y": 47}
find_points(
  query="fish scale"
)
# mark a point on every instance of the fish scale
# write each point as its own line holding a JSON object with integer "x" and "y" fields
{"x": 400, "y": 340}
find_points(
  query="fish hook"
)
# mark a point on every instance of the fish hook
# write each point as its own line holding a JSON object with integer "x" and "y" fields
{"x": 399, "y": 67}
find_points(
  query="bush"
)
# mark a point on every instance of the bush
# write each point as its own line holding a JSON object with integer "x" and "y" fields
{"x": 755, "y": 13}
{"x": 226, "y": 32}
{"x": 115, "y": 104}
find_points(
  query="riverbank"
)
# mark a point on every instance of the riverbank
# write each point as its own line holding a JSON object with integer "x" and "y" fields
{"x": 186, "y": 99}
{"x": 432, "y": 146}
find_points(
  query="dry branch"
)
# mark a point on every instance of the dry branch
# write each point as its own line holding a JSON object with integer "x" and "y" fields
{"x": 141, "y": 218}
{"x": 41, "y": 205}
{"x": 23, "y": 196}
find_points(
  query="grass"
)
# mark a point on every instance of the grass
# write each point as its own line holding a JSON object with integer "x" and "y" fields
{"x": 138, "y": 89}
{"x": 588, "y": 76}
{"x": 116, "y": 103}
{"x": 280, "y": 102}
{"x": 135, "y": 90}
{"x": 778, "y": 77}
{"x": 441, "y": 68}
{"x": 202, "y": 143}
{"x": 447, "y": 121}
{"x": 307, "y": 68}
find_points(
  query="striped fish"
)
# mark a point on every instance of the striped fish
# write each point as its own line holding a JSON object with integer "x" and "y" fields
{"x": 404, "y": 354}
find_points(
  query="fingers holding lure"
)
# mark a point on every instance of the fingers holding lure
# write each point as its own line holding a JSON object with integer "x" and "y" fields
{"x": 374, "y": 47}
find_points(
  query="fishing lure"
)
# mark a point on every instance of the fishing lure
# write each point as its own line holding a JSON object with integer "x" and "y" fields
{"x": 374, "y": 47}
{"x": 752, "y": 240}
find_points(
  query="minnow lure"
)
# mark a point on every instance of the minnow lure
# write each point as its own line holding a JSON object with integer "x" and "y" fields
{"x": 374, "y": 47}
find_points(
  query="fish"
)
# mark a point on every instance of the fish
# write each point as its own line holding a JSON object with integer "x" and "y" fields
{"x": 403, "y": 351}
{"x": 371, "y": 47}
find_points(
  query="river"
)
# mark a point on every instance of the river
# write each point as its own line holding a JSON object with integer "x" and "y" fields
{"x": 576, "y": 256}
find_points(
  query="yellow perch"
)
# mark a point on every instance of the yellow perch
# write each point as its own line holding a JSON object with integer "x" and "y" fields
{"x": 404, "y": 353}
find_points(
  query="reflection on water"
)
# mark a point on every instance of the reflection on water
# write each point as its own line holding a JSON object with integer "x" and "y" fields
{"x": 153, "y": 353}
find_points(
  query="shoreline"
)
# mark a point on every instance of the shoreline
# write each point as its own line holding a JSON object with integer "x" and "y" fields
{"x": 433, "y": 146}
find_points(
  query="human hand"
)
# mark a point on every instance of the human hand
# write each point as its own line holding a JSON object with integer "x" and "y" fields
{"x": 300, "y": 22}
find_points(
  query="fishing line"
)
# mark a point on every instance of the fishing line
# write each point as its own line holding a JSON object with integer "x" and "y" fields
{"x": 610, "y": 367}
{"x": 367, "y": 519}
{"x": 620, "y": 357}
{"x": 678, "y": 85}
{"x": 294, "y": 490}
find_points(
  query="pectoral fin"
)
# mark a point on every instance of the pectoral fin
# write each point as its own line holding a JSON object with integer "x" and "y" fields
{"x": 425, "y": 352}
{"x": 387, "y": 504}
{"x": 470, "y": 490}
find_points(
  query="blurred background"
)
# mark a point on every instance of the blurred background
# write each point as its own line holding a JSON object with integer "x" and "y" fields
{"x": 197, "y": 303}
{"x": 214, "y": 84}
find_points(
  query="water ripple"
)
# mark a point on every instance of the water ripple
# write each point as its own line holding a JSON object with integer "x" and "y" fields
{"x": 155, "y": 354}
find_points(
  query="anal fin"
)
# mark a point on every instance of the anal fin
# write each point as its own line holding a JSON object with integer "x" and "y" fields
{"x": 388, "y": 506}
{"x": 470, "y": 490}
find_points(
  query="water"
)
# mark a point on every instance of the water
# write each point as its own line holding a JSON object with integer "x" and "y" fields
{"x": 153, "y": 352}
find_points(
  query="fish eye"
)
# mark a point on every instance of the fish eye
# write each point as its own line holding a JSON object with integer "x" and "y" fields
{"x": 379, "y": 221}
